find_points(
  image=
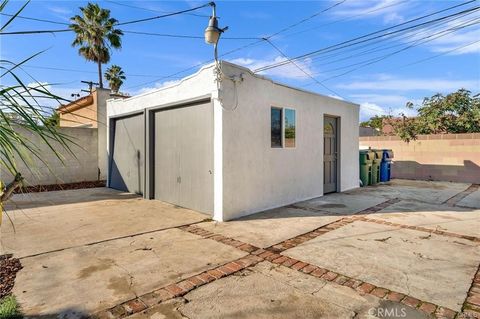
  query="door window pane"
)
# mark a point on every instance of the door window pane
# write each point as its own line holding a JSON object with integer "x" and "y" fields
{"x": 276, "y": 127}
{"x": 290, "y": 129}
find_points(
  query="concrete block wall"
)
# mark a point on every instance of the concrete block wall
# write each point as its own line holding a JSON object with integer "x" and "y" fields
{"x": 441, "y": 157}
{"x": 79, "y": 168}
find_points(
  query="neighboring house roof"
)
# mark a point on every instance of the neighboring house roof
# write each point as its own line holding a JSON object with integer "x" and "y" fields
{"x": 77, "y": 104}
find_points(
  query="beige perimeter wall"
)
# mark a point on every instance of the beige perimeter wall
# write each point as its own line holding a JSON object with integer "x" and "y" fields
{"x": 442, "y": 157}
{"x": 79, "y": 168}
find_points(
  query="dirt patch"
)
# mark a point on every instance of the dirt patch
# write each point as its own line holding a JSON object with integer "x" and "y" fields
{"x": 59, "y": 187}
{"x": 8, "y": 271}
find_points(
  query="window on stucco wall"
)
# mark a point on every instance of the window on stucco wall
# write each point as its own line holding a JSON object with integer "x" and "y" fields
{"x": 283, "y": 127}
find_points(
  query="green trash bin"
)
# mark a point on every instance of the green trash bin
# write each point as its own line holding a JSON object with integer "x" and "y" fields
{"x": 377, "y": 160}
{"x": 366, "y": 160}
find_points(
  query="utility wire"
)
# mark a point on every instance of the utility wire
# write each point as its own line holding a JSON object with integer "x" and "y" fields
{"x": 389, "y": 55}
{"x": 193, "y": 67}
{"x": 437, "y": 55}
{"x": 301, "y": 69}
{"x": 165, "y": 15}
{"x": 349, "y": 42}
{"x": 185, "y": 36}
{"x": 396, "y": 3}
{"x": 152, "y": 10}
{"x": 34, "y": 19}
{"x": 35, "y": 32}
{"x": 119, "y": 23}
{"x": 81, "y": 71}
{"x": 383, "y": 48}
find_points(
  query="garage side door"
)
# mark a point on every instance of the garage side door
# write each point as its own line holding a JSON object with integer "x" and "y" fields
{"x": 183, "y": 157}
{"x": 127, "y": 160}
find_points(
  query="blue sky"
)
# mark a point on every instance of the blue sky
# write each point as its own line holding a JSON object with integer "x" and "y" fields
{"x": 381, "y": 88}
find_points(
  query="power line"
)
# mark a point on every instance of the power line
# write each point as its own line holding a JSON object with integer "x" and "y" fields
{"x": 82, "y": 71}
{"x": 383, "y": 48}
{"x": 348, "y": 18}
{"x": 349, "y": 42}
{"x": 152, "y": 10}
{"x": 306, "y": 19}
{"x": 438, "y": 55}
{"x": 166, "y": 15}
{"x": 372, "y": 61}
{"x": 35, "y": 32}
{"x": 239, "y": 48}
{"x": 118, "y": 23}
{"x": 300, "y": 68}
{"x": 185, "y": 36}
{"x": 33, "y": 19}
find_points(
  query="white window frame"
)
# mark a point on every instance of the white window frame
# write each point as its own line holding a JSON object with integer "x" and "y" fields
{"x": 282, "y": 109}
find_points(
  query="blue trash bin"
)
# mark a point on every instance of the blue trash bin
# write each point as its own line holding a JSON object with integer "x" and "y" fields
{"x": 386, "y": 166}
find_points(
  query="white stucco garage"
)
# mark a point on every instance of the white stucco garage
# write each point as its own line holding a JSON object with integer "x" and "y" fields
{"x": 248, "y": 145}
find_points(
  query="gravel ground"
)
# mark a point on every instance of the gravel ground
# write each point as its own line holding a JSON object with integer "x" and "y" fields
{"x": 8, "y": 270}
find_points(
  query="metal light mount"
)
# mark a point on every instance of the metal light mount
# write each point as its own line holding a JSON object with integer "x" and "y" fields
{"x": 213, "y": 32}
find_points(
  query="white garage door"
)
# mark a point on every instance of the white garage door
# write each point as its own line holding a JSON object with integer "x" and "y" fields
{"x": 183, "y": 156}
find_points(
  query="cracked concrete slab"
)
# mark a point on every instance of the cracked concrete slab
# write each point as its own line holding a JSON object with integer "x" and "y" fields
{"x": 425, "y": 191}
{"x": 56, "y": 220}
{"x": 452, "y": 219}
{"x": 271, "y": 227}
{"x": 267, "y": 291}
{"x": 432, "y": 268}
{"x": 343, "y": 203}
{"x": 472, "y": 200}
{"x": 95, "y": 277}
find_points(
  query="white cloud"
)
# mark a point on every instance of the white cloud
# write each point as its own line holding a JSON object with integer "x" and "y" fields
{"x": 450, "y": 36}
{"x": 368, "y": 110}
{"x": 412, "y": 84}
{"x": 287, "y": 71}
{"x": 388, "y": 10}
{"x": 156, "y": 86}
{"x": 60, "y": 10}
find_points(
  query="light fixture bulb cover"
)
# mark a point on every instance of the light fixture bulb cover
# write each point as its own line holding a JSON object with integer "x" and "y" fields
{"x": 212, "y": 32}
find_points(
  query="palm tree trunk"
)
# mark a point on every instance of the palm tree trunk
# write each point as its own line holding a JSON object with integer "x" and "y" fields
{"x": 100, "y": 77}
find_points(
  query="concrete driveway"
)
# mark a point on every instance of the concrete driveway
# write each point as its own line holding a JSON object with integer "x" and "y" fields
{"x": 404, "y": 250}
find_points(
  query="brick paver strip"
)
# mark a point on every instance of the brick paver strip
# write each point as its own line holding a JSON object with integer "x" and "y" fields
{"x": 271, "y": 254}
{"x": 177, "y": 289}
{"x": 472, "y": 302}
{"x": 458, "y": 197}
{"x": 419, "y": 228}
{"x": 395, "y": 296}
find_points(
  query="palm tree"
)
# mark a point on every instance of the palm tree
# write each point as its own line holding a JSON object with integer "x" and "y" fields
{"x": 115, "y": 77}
{"x": 95, "y": 35}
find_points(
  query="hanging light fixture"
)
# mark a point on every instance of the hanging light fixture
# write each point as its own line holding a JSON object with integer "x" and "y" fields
{"x": 213, "y": 32}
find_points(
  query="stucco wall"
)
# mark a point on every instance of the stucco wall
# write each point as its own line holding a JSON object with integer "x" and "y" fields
{"x": 257, "y": 176}
{"x": 250, "y": 176}
{"x": 191, "y": 87}
{"x": 78, "y": 168}
{"x": 100, "y": 100}
{"x": 442, "y": 157}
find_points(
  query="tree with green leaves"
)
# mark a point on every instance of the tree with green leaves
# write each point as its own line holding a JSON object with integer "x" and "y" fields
{"x": 457, "y": 112}
{"x": 375, "y": 121}
{"x": 95, "y": 34}
{"x": 115, "y": 77}
{"x": 23, "y": 114}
